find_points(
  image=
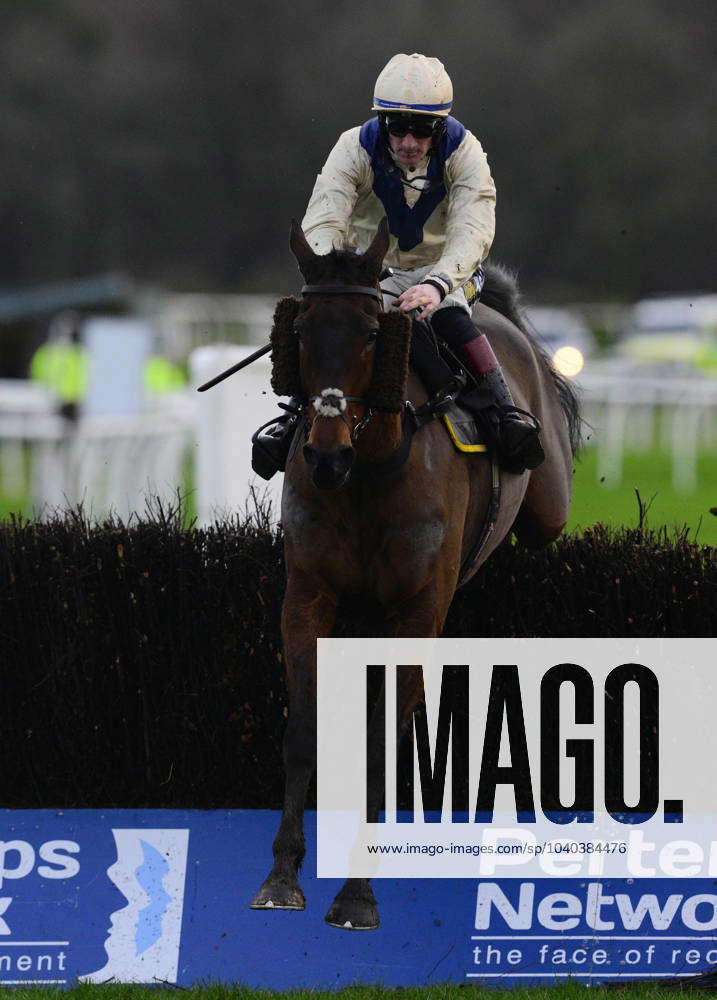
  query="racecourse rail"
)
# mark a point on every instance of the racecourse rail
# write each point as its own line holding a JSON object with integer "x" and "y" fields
{"x": 115, "y": 462}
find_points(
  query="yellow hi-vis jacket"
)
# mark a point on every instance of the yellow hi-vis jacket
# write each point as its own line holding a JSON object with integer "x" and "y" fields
{"x": 63, "y": 367}
{"x": 444, "y": 223}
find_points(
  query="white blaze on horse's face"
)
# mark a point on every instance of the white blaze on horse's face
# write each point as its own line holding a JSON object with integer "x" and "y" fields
{"x": 329, "y": 455}
{"x": 329, "y": 403}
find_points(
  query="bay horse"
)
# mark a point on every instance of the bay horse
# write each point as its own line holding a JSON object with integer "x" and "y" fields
{"x": 358, "y": 524}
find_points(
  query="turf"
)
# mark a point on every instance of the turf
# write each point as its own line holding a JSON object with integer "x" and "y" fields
{"x": 446, "y": 991}
{"x": 650, "y": 473}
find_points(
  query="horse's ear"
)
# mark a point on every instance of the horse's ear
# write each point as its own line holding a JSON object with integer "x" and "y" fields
{"x": 379, "y": 247}
{"x": 300, "y": 246}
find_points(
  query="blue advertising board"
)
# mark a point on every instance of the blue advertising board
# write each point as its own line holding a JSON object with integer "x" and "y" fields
{"x": 163, "y": 895}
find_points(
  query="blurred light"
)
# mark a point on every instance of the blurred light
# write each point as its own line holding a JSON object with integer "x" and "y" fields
{"x": 568, "y": 361}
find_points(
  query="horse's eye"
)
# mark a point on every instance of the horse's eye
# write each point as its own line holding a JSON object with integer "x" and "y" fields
{"x": 371, "y": 339}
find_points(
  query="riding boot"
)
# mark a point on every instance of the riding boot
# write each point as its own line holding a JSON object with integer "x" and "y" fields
{"x": 272, "y": 441}
{"x": 517, "y": 439}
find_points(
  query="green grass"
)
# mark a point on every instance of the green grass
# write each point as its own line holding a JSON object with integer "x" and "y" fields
{"x": 10, "y": 505}
{"x": 450, "y": 991}
{"x": 650, "y": 473}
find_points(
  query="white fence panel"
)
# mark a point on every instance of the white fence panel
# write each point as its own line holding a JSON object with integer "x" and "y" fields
{"x": 228, "y": 415}
{"x": 114, "y": 463}
{"x": 632, "y": 411}
{"x": 107, "y": 463}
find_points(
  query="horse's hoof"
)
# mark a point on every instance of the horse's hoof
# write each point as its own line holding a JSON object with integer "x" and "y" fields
{"x": 276, "y": 895}
{"x": 353, "y": 914}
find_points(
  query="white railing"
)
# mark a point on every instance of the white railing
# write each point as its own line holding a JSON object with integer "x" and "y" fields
{"x": 115, "y": 463}
{"x": 227, "y": 416}
{"x": 673, "y": 414}
{"x": 26, "y": 415}
{"x": 678, "y": 415}
{"x": 107, "y": 463}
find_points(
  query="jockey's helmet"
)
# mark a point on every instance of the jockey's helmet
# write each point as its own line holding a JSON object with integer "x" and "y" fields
{"x": 415, "y": 84}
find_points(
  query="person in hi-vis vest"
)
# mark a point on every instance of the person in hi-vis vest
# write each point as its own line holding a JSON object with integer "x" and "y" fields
{"x": 61, "y": 364}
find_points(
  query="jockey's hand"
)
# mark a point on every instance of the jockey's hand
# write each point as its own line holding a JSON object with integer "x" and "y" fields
{"x": 417, "y": 296}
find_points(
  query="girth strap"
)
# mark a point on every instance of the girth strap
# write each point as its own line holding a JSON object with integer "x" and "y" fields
{"x": 488, "y": 524}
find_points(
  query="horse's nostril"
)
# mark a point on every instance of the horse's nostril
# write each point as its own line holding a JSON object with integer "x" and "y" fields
{"x": 329, "y": 468}
{"x": 335, "y": 457}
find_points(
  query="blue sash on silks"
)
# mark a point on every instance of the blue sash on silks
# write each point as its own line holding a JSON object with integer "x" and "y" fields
{"x": 405, "y": 222}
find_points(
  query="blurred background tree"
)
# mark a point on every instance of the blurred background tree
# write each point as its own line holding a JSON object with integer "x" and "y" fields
{"x": 175, "y": 140}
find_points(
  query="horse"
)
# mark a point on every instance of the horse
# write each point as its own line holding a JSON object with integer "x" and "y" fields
{"x": 360, "y": 522}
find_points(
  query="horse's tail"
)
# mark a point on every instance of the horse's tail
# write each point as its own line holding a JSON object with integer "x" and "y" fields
{"x": 501, "y": 292}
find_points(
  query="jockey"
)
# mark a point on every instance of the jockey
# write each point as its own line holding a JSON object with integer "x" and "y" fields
{"x": 429, "y": 176}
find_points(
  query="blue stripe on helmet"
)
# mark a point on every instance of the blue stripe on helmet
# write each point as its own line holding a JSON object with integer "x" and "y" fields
{"x": 412, "y": 107}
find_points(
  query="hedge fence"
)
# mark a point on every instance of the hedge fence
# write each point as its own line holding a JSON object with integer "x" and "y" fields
{"x": 142, "y": 664}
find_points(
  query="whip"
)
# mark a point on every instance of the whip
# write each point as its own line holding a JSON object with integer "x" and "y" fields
{"x": 235, "y": 368}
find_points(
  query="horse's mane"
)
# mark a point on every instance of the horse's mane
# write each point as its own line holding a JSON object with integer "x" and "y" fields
{"x": 501, "y": 292}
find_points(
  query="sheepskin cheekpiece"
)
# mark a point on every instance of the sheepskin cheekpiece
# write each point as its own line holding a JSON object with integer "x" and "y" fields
{"x": 285, "y": 374}
{"x": 387, "y": 392}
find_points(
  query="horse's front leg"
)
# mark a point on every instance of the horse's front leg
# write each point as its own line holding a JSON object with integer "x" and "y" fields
{"x": 308, "y": 613}
{"x": 355, "y": 906}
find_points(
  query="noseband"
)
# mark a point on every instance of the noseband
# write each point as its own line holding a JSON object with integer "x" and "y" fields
{"x": 332, "y": 402}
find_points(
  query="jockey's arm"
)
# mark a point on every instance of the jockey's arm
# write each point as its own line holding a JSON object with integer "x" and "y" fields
{"x": 332, "y": 201}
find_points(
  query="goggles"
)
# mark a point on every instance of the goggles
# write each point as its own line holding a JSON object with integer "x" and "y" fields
{"x": 421, "y": 126}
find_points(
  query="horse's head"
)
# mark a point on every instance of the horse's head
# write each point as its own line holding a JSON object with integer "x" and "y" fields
{"x": 333, "y": 348}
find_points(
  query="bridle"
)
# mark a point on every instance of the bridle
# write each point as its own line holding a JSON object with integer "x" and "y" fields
{"x": 375, "y": 293}
{"x": 331, "y": 402}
